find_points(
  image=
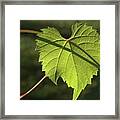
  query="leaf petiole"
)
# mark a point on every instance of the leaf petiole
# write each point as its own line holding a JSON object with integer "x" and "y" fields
{"x": 29, "y": 31}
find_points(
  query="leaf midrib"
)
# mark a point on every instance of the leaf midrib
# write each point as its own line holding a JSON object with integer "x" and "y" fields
{"x": 75, "y": 68}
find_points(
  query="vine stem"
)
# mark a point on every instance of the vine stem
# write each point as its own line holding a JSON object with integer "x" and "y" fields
{"x": 29, "y": 31}
{"x": 30, "y": 90}
{"x": 32, "y": 87}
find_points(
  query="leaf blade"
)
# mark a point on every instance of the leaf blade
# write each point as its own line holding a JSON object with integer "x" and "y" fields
{"x": 70, "y": 58}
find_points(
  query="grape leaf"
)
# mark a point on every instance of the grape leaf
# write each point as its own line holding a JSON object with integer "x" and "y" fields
{"x": 75, "y": 59}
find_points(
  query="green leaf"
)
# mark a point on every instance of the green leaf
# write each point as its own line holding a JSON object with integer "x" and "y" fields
{"x": 75, "y": 59}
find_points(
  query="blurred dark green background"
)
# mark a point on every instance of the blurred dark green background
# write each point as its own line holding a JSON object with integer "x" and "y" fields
{"x": 31, "y": 70}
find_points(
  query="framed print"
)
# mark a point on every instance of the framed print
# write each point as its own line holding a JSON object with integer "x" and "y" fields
{"x": 60, "y": 60}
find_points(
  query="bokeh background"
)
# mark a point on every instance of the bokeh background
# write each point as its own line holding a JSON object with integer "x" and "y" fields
{"x": 31, "y": 70}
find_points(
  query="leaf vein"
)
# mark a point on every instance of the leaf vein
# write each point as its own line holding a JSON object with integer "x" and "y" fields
{"x": 49, "y": 52}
